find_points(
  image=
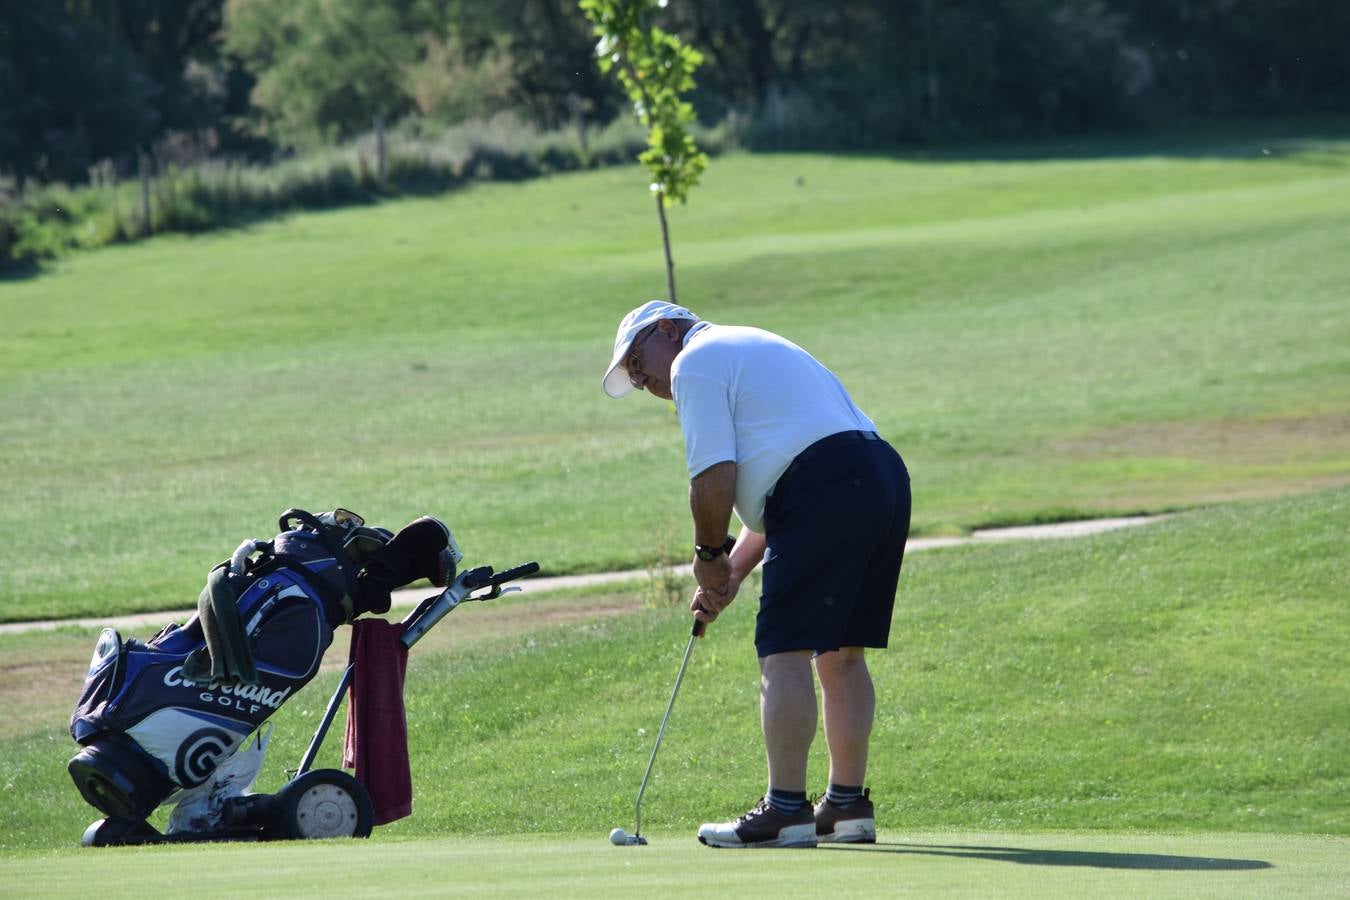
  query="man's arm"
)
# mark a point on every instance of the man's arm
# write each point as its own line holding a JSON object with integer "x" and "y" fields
{"x": 749, "y": 552}
{"x": 712, "y": 493}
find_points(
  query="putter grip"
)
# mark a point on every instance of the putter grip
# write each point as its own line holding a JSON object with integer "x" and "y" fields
{"x": 700, "y": 627}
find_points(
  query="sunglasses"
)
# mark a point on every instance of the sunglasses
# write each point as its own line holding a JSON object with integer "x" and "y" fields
{"x": 634, "y": 363}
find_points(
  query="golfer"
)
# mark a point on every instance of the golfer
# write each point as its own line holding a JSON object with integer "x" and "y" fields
{"x": 824, "y": 503}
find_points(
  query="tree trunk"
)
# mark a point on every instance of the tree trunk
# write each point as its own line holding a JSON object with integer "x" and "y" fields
{"x": 665, "y": 242}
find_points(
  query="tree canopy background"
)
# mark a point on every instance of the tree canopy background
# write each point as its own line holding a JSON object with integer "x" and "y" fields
{"x": 82, "y": 81}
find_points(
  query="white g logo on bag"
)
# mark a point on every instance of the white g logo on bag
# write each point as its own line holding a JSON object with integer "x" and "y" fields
{"x": 199, "y": 755}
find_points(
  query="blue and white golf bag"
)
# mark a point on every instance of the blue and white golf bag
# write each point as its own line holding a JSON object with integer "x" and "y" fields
{"x": 161, "y": 715}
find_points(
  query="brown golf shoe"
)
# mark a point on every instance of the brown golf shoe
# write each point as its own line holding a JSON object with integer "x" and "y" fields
{"x": 852, "y": 824}
{"x": 762, "y": 826}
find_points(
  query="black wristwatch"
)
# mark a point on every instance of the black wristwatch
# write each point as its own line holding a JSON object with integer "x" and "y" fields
{"x": 708, "y": 553}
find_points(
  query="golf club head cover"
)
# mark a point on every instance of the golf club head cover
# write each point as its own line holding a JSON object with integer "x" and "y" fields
{"x": 423, "y": 549}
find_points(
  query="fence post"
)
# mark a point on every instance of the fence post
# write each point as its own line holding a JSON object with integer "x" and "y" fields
{"x": 145, "y": 193}
{"x": 380, "y": 160}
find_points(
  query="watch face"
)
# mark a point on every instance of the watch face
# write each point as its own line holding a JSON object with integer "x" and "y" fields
{"x": 707, "y": 554}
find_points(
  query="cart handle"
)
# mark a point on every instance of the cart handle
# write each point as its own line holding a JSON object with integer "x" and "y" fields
{"x": 436, "y": 607}
{"x": 484, "y": 577}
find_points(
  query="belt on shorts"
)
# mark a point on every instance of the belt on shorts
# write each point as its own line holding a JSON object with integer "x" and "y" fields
{"x": 801, "y": 460}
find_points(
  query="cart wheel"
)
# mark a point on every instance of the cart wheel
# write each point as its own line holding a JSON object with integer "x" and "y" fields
{"x": 323, "y": 803}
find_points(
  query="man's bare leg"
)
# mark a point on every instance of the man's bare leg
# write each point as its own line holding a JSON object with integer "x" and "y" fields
{"x": 849, "y": 702}
{"x": 788, "y": 716}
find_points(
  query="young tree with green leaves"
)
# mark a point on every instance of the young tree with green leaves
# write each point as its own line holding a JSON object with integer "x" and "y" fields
{"x": 655, "y": 68}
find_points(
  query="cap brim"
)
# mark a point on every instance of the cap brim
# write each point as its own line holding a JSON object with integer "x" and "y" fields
{"x": 616, "y": 383}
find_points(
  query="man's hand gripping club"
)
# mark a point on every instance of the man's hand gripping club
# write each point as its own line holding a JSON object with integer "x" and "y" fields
{"x": 711, "y": 495}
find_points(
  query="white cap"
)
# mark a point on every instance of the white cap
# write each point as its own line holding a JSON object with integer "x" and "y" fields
{"x": 616, "y": 382}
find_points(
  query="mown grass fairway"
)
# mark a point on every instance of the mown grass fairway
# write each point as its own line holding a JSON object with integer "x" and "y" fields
{"x": 969, "y": 864}
{"x": 1153, "y": 712}
{"x": 1186, "y": 677}
{"x": 1041, "y": 338}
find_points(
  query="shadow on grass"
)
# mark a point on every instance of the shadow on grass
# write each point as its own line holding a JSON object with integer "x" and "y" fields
{"x": 1080, "y": 858}
{"x": 19, "y": 271}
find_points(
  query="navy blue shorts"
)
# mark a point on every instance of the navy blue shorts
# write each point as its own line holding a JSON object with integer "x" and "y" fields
{"x": 836, "y": 525}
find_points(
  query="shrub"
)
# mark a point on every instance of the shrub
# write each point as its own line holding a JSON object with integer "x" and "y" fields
{"x": 45, "y": 222}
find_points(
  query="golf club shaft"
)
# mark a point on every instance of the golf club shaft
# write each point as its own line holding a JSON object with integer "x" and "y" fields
{"x": 694, "y": 634}
{"x": 637, "y": 812}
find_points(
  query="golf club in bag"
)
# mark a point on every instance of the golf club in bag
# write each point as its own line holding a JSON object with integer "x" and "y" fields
{"x": 618, "y": 836}
{"x": 161, "y": 719}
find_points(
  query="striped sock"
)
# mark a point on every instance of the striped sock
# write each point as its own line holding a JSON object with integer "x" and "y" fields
{"x": 843, "y": 794}
{"x": 787, "y": 802}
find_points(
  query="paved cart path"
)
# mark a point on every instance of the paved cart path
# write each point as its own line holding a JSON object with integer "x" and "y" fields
{"x": 410, "y": 597}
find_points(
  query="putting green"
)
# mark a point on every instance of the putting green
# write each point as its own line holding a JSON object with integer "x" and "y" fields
{"x": 1109, "y": 864}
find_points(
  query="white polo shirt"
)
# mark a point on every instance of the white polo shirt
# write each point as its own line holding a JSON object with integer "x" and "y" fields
{"x": 748, "y": 396}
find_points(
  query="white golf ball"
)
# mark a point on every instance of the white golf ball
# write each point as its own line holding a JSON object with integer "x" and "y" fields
{"x": 618, "y": 837}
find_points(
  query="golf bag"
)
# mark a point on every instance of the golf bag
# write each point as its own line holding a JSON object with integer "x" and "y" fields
{"x": 161, "y": 715}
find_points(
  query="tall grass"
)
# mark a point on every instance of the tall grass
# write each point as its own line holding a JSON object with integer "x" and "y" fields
{"x": 47, "y": 221}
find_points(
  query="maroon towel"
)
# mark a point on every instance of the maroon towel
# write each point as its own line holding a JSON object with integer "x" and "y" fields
{"x": 376, "y": 744}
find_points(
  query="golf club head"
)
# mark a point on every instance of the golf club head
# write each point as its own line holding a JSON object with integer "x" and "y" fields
{"x": 620, "y": 838}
